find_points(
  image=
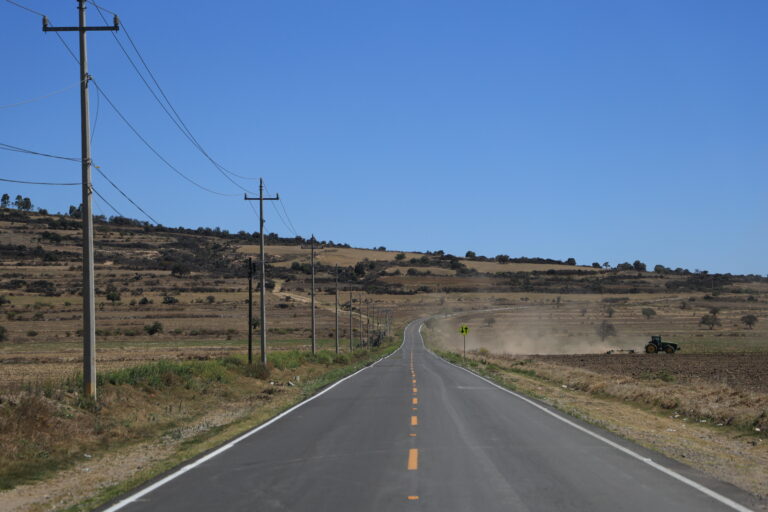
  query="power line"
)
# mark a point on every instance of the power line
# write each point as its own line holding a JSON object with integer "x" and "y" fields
{"x": 96, "y": 118}
{"x": 152, "y": 148}
{"x": 175, "y": 117}
{"x": 98, "y": 169}
{"x": 289, "y": 225}
{"x": 66, "y": 46}
{"x": 16, "y": 149}
{"x": 41, "y": 97}
{"x": 108, "y": 203}
{"x": 39, "y": 182}
{"x": 24, "y": 7}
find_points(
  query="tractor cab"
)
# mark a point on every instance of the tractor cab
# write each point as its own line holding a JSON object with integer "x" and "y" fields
{"x": 656, "y": 345}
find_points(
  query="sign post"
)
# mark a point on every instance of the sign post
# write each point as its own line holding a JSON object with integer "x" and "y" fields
{"x": 464, "y": 330}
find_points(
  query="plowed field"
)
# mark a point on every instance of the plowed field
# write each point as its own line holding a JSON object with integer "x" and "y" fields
{"x": 747, "y": 372}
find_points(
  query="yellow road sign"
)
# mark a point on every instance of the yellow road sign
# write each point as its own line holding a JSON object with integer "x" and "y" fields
{"x": 464, "y": 329}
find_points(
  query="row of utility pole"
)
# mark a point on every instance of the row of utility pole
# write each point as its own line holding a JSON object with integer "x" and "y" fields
{"x": 89, "y": 310}
{"x": 374, "y": 324}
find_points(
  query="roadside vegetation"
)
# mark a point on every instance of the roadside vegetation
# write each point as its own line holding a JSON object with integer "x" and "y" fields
{"x": 49, "y": 426}
{"x": 719, "y": 428}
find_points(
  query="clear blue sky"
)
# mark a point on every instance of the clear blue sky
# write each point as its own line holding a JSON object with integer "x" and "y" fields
{"x": 600, "y": 130}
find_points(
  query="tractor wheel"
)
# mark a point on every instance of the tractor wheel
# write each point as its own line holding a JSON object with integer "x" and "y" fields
{"x": 669, "y": 349}
{"x": 650, "y": 348}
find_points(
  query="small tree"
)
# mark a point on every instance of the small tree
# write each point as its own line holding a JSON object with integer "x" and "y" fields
{"x": 609, "y": 311}
{"x": 570, "y": 261}
{"x": 112, "y": 294}
{"x": 26, "y": 204}
{"x": 605, "y": 329}
{"x": 3, "y": 333}
{"x": 153, "y": 328}
{"x": 639, "y": 266}
{"x": 714, "y": 311}
{"x": 749, "y": 320}
{"x": 470, "y": 255}
{"x": 5, "y": 202}
{"x": 595, "y": 265}
{"x": 400, "y": 256}
{"x": 19, "y": 202}
{"x": 710, "y": 321}
{"x": 179, "y": 270}
{"x": 648, "y": 313}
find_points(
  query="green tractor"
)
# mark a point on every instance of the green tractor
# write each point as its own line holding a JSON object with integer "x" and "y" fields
{"x": 656, "y": 345}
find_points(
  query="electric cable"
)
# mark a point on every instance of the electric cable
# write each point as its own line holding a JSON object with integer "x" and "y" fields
{"x": 152, "y": 148}
{"x": 174, "y": 117}
{"x": 98, "y": 169}
{"x": 25, "y": 102}
{"x": 39, "y": 182}
{"x": 108, "y": 203}
{"x": 25, "y": 8}
{"x": 17, "y": 149}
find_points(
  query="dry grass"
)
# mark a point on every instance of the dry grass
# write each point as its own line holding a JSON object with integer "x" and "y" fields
{"x": 49, "y": 426}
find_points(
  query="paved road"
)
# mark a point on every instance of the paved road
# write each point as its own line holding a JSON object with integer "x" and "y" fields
{"x": 416, "y": 433}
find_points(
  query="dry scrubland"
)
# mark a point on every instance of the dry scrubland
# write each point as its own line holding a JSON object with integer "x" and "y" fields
{"x": 172, "y": 312}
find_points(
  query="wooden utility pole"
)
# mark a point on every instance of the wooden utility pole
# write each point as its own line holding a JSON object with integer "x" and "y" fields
{"x": 360, "y": 311}
{"x": 351, "y": 329}
{"x": 314, "y": 334}
{"x": 337, "y": 309}
{"x": 250, "y": 310}
{"x": 89, "y": 307}
{"x": 263, "y": 276}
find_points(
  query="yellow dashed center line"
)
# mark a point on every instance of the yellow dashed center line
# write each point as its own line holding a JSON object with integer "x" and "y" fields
{"x": 414, "y": 421}
{"x": 413, "y": 498}
{"x": 415, "y": 390}
{"x": 413, "y": 459}
{"x": 415, "y": 401}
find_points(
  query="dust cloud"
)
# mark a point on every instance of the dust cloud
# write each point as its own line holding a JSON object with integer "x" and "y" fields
{"x": 528, "y": 335}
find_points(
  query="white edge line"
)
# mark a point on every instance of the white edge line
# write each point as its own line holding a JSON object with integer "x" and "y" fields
{"x": 134, "y": 497}
{"x": 677, "y": 476}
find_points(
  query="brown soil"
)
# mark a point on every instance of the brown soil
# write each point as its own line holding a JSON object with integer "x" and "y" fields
{"x": 747, "y": 372}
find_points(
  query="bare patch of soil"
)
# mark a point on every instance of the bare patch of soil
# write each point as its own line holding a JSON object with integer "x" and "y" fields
{"x": 746, "y": 372}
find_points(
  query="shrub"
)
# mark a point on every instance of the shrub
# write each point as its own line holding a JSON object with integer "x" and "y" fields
{"x": 210, "y": 299}
{"x": 31, "y": 334}
{"x": 3, "y": 333}
{"x": 749, "y": 320}
{"x": 710, "y": 321}
{"x": 648, "y": 313}
{"x": 170, "y": 299}
{"x": 154, "y": 328}
{"x": 4, "y": 300}
{"x": 324, "y": 357}
{"x": 144, "y": 301}
{"x": 400, "y": 256}
{"x": 341, "y": 359}
{"x": 258, "y": 370}
{"x": 180, "y": 270}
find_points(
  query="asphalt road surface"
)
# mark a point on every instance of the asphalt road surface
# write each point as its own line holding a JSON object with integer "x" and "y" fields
{"x": 414, "y": 432}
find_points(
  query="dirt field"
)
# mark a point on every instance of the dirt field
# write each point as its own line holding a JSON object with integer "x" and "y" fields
{"x": 746, "y": 372}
